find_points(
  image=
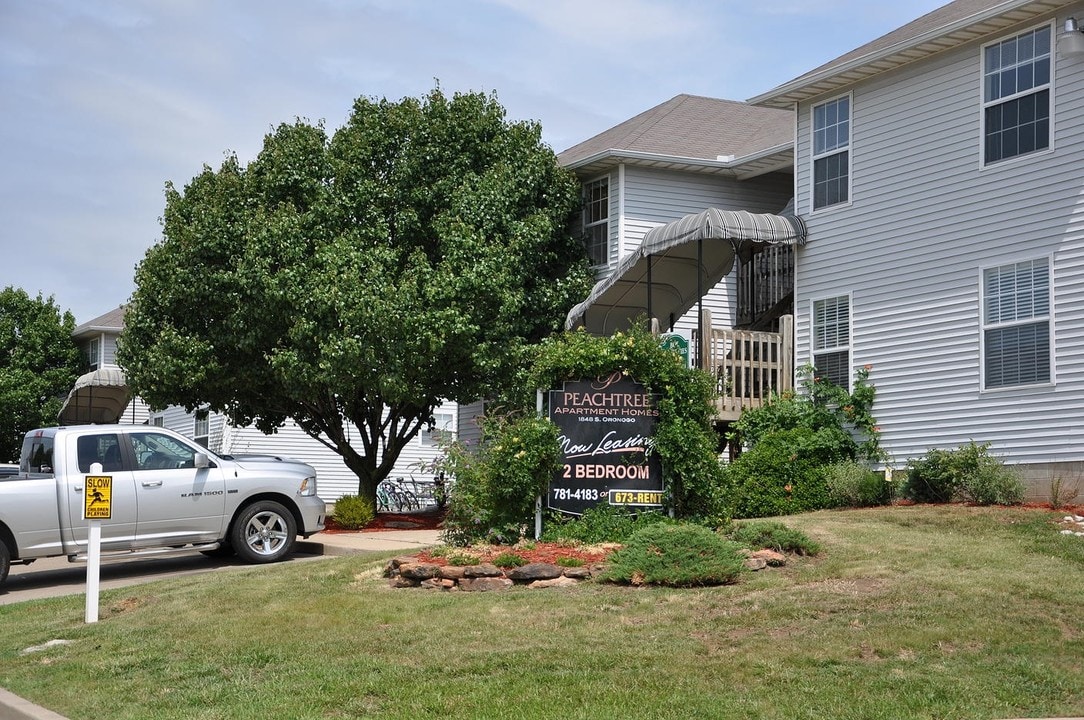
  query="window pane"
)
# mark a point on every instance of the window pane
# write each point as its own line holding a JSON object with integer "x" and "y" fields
{"x": 833, "y": 367}
{"x": 1018, "y": 355}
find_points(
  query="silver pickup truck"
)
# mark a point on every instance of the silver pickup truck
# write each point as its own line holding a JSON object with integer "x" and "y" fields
{"x": 167, "y": 492}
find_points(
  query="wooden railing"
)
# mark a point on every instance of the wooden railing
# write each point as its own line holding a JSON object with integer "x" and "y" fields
{"x": 748, "y": 365}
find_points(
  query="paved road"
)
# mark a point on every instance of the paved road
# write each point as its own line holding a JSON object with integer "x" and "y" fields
{"x": 55, "y": 577}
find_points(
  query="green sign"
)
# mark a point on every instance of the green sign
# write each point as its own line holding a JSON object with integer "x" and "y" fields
{"x": 678, "y": 344}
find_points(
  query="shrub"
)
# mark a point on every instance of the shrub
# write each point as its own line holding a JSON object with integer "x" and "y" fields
{"x": 508, "y": 560}
{"x": 967, "y": 473}
{"x": 353, "y": 512}
{"x": 680, "y": 555}
{"x": 569, "y": 562}
{"x": 784, "y": 473}
{"x": 853, "y": 484}
{"x": 602, "y": 523}
{"x": 463, "y": 559}
{"x": 992, "y": 483}
{"x": 496, "y": 486}
{"x": 776, "y": 536}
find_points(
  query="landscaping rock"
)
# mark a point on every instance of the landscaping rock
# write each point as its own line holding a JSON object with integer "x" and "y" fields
{"x": 401, "y": 582}
{"x": 419, "y": 571}
{"x": 485, "y": 570}
{"x": 578, "y": 573}
{"x": 453, "y": 572}
{"x": 771, "y": 557}
{"x": 563, "y": 581}
{"x": 755, "y": 563}
{"x": 484, "y": 584}
{"x": 534, "y": 571}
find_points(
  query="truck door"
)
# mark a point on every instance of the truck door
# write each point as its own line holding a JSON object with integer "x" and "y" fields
{"x": 118, "y": 532}
{"x": 178, "y": 502}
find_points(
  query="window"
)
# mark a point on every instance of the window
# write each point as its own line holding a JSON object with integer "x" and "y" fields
{"x": 831, "y": 152}
{"x": 103, "y": 449}
{"x": 93, "y": 354}
{"x": 158, "y": 421}
{"x": 1016, "y": 324}
{"x": 832, "y": 340}
{"x": 202, "y": 430}
{"x": 1016, "y": 95}
{"x": 155, "y": 451}
{"x": 596, "y": 220}
{"x": 443, "y": 429}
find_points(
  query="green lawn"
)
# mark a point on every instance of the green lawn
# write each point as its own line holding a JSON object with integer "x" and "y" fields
{"x": 910, "y": 612}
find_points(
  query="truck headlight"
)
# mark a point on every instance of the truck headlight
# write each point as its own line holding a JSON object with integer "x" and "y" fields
{"x": 308, "y": 486}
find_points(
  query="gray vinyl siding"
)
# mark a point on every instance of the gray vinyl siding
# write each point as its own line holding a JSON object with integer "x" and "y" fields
{"x": 924, "y": 219}
{"x": 654, "y": 198}
{"x": 333, "y": 478}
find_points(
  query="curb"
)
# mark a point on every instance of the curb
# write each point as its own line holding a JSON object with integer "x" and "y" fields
{"x": 13, "y": 707}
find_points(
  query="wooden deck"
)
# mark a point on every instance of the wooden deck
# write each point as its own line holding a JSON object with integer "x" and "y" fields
{"x": 748, "y": 365}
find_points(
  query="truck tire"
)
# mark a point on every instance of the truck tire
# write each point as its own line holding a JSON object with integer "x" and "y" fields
{"x": 5, "y": 562}
{"x": 264, "y": 532}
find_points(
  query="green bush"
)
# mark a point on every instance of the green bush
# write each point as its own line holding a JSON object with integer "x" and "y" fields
{"x": 791, "y": 442}
{"x": 853, "y": 484}
{"x": 968, "y": 473}
{"x": 681, "y": 555}
{"x": 784, "y": 473}
{"x": 496, "y": 484}
{"x": 508, "y": 560}
{"x": 993, "y": 483}
{"x": 602, "y": 523}
{"x": 569, "y": 562}
{"x": 353, "y": 512}
{"x": 759, "y": 534}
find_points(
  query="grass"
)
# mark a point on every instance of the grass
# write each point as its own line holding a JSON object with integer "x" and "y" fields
{"x": 909, "y": 612}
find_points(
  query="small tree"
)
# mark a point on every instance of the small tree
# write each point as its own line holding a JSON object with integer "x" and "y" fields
{"x": 39, "y": 362}
{"x": 352, "y": 283}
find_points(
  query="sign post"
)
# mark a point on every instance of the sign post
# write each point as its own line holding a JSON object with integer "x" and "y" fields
{"x": 97, "y": 506}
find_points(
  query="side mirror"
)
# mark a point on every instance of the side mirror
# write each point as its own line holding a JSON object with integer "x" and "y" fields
{"x": 201, "y": 460}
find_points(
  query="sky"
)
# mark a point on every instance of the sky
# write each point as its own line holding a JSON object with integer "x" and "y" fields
{"x": 102, "y": 102}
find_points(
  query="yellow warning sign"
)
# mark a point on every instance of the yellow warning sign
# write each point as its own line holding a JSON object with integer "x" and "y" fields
{"x": 98, "y": 497}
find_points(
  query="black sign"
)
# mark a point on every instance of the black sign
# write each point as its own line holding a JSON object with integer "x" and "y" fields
{"x": 607, "y": 437}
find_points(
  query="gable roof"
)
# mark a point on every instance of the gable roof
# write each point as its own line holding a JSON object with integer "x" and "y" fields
{"x": 112, "y": 321}
{"x": 945, "y": 28}
{"x": 692, "y": 133}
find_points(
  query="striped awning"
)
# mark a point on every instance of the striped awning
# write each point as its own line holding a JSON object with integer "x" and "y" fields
{"x": 694, "y": 251}
{"x": 100, "y": 396}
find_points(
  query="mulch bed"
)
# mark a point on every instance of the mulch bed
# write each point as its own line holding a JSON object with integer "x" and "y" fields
{"x": 531, "y": 552}
{"x": 393, "y": 521}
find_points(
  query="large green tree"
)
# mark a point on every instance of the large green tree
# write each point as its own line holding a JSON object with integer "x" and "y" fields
{"x": 39, "y": 362}
{"x": 353, "y": 282}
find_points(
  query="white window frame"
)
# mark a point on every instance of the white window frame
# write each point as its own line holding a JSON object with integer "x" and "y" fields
{"x": 987, "y": 324}
{"x": 832, "y": 146}
{"x": 836, "y": 348}
{"x": 590, "y": 222}
{"x": 443, "y": 429}
{"x": 201, "y": 427}
{"x": 988, "y": 84}
{"x": 94, "y": 353}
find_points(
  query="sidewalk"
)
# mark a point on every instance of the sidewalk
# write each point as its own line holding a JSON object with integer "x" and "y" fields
{"x": 349, "y": 543}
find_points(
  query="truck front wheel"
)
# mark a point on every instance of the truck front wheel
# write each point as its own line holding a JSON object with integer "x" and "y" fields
{"x": 265, "y": 531}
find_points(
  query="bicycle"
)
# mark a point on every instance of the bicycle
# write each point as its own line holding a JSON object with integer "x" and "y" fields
{"x": 391, "y": 494}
